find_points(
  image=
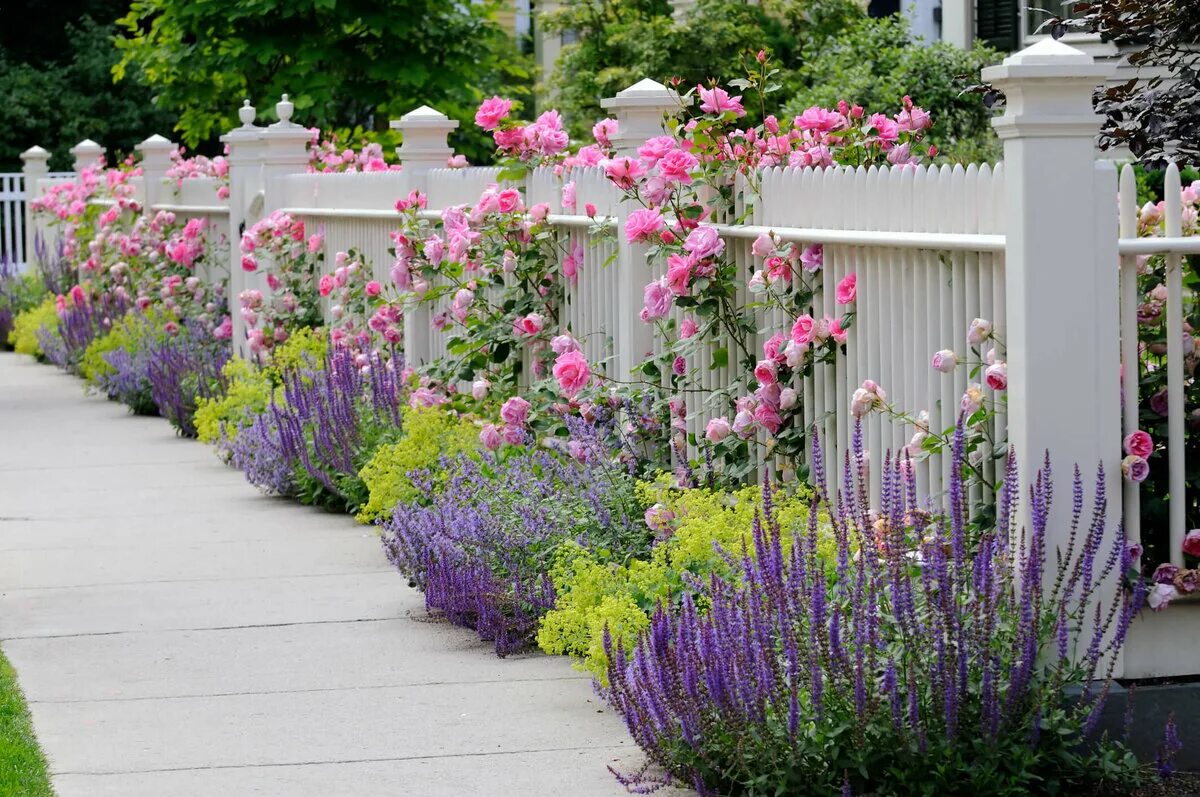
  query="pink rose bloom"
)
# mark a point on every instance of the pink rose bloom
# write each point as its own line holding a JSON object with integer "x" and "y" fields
{"x": 655, "y": 148}
{"x": 804, "y": 330}
{"x": 457, "y": 161}
{"x": 435, "y": 250}
{"x": 603, "y": 131}
{"x": 819, "y": 119}
{"x": 716, "y": 100}
{"x": 510, "y": 200}
{"x": 1135, "y": 468}
{"x": 539, "y": 212}
{"x": 837, "y": 332}
{"x": 763, "y": 246}
{"x": 1191, "y": 543}
{"x": 687, "y": 328}
{"x": 887, "y": 130}
{"x": 658, "y": 519}
{"x": 249, "y": 263}
{"x": 847, "y": 290}
{"x": 704, "y": 242}
{"x": 529, "y": 325}
{"x": 766, "y": 372}
{"x": 757, "y": 283}
{"x": 743, "y": 424}
{"x": 325, "y": 286}
{"x": 979, "y": 331}
{"x": 773, "y": 347}
{"x": 788, "y": 398}
{"x": 624, "y": 171}
{"x": 373, "y": 288}
{"x": 561, "y": 344}
{"x": 643, "y": 224}
{"x": 515, "y": 411}
{"x": 813, "y": 257}
{"x": 657, "y": 298}
{"x": 996, "y": 376}
{"x": 1160, "y": 596}
{"x": 679, "y": 272}
{"x": 913, "y": 119}
{"x": 768, "y": 417}
{"x": 480, "y": 388}
{"x": 1141, "y": 444}
{"x": 717, "y": 430}
{"x": 572, "y": 372}
{"x": 514, "y": 435}
{"x": 972, "y": 399}
{"x": 679, "y": 366}
{"x": 492, "y": 112}
{"x": 676, "y": 166}
{"x": 490, "y": 437}
{"x": 568, "y": 195}
{"x": 944, "y": 361}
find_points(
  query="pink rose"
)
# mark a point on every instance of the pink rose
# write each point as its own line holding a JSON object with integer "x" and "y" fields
{"x": 944, "y": 361}
{"x": 325, "y": 286}
{"x": 529, "y": 325}
{"x": 657, "y": 298}
{"x": 568, "y": 195}
{"x": 704, "y": 242}
{"x": 847, "y": 290}
{"x": 480, "y": 388}
{"x": 643, "y": 224}
{"x": 773, "y": 347}
{"x": 996, "y": 376}
{"x": 804, "y": 330}
{"x": 717, "y": 430}
{"x": 717, "y": 100}
{"x": 972, "y": 399}
{"x": 763, "y": 246}
{"x": 836, "y": 331}
{"x": 492, "y": 112}
{"x": 679, "y": 273}
{"x": 813, "y": 257}
{"x": 539, "y": 212}
{"x": 510, "y": 200}
{"x": 603, "y": 131}
{"x": 1160, "y": 596}
{"x": 687, "y": 328}
{"x": 514, "y": 435}
{"x": 572, "y": 372}
{"x": 373, "y": 288}
{"x": 490, "y": 437}
{"x": 1191, "y": 543}
{"x": 676, "y": 166}
{"x": 515, "y": 411}
{"x": 1135, "y": 468}
{"x": 766, "y": 372}
{"x": 435, "y": 250}
{"x": 249, "y": 263}
{"x": 624, "y": 171}
{"x": 788, "y": 398}
{"x": 1139, "y": 443}
{"x": 979, "y": 331}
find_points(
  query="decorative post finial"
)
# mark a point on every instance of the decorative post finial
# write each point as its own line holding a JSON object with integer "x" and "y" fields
{"x": 246, "y": 114}
{"x": 426, "y": 133}
{"x": 86, "y": 153}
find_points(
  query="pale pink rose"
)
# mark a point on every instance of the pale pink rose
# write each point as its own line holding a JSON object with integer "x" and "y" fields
{"x": 568, "y": 195}
{"x": 979, "y": 331}
{"x": 603, "y": 131}
{"x": 944, "y": 361}
{"x": 659, "y": 518}
{"x": 757, "y": 283}
{"x": 766, "y": 372}
{"x": 803, "y": 331}
{"x": 325, "y": 285}
{"x": 687, "y": 328}
{"x": 743, "y": 424}
{"x": 717, "y": 430}
{"x": 657, "y": 297}
{"x": 972, "y": 399}
{"x": 813, "y": 257}
{"x": 795, "y": 354}
{"x": 763, "y": 246}
{"x": 788, "y": 398}
{"x": 561, "y": 344}
{"x": 490, "y": 437}
{"x": 643, "y": 224}
{"x": 704, "y": 242}
{"x": 435, "y": 250}
{"x": 492, "y": 112}
{"x": 996, "y": 376}
{"x": 847, "y": 290}
{"x": 1191, "y": 543}
{"x": 1139, "y": 443}
{"x": 1135, "y": 468}
{"x": 539, "y": 212}
{"x": 480, "y": 388}
{"x": 515, "y": 411}
{"x": 514, "y": 435}
{"x": 1160, "y": 596}
{"x": 572, "y": 371}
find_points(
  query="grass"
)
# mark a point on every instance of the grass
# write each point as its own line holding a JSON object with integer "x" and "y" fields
{"x": 22, "y": 765}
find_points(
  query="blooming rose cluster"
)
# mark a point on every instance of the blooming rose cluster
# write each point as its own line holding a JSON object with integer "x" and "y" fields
{"x": 543, "y": 138}
{"x": 294, "y": 260}
{"x": 198, "y": 166}
{"x": 327, "y": 156}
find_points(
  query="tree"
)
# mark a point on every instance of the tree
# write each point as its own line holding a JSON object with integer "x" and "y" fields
{"x": 61, "y": 91}
{"x": 1160, "y": 115}
{"x": 344, "y": 63}
{"x": 619, "y": 42}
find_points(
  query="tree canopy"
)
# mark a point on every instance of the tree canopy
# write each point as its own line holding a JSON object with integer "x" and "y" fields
{"x": 344, "y": 63}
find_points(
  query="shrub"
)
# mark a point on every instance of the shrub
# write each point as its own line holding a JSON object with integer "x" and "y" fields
{"x": 18, "y": 293}
{"x": 483, "y": 547}
{"x": 24, "y": 335}
{"x": 700, "y": 523}
{"x": 184, "y": 370}
{"x": 876, "y": 60}
{"x": 247, "y": 394}
{"x": 925, "y": 665}
{"x": 427, "y": 435}
{"x": 118, "y": 362}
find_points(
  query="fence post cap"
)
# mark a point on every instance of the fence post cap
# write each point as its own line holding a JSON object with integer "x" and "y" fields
{"x": 424, "y": 117}
{"x": 645, "y": 92}
{"x": 1048, "y": 59}
{"x": 155, "y": 143}
{"x": 35, "y": 153}
{"x": 86, "y": 147}
{"x": 285, "y": 126}
{"x": 247, "y": 113}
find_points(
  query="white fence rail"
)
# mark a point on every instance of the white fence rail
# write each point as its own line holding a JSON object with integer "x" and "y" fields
{"x": 1032, "y": 246}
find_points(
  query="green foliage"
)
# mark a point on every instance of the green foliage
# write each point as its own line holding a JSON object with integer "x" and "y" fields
{"x": 18, "y": 293}
{"x": 130, "y": 332}
{"x": 247, "y": 394}
{"x": 593, "y": 590}
{"x": 875, "y": 62}
{"x": 304, "y": 349}
{"x": 22, "y": 765}
{"x": 428, "y": 434}
{"x": 345, "y": 64}
{"x": 27, "y": 323}
{"x": 623, "y": 41}
{"x": 58, "y": 97}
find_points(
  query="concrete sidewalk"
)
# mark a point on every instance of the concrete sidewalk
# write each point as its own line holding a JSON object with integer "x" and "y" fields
{"x": 177, "y": 633}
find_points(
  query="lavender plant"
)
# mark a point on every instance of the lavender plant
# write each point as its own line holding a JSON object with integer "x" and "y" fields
{"x": 81, "y": 319}
{"x": 483, "y": 548}
{"x": 257, "y": 451}
{"x": 183, "y": 370}
{"x": 922, "y": 664}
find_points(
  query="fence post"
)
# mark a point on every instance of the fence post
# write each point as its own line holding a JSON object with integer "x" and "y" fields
{"x": 640, "y": 111}
{"x": 425, "y": 146}
{"x": 1061, "y": 280}
{"x": 35, "y": 168}
{"x": 245, "y": 186}
{"x": 86, "y": 153}
{"x": 156, "y": 160}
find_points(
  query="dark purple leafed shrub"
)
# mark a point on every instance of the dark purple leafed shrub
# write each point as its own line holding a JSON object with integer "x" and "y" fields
{"x": 482, "y": 548}
{"x": 184, "y": 369}
{"x": 926, "y": 663}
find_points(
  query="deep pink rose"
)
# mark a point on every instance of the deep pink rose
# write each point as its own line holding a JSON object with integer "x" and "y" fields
{"x": 492, "y": 112}
{"x": 847, "y": 290}
{"x": 1191, "y": 543}
{"x": 676, "y": 166}
{"x": 373, "y": 288}
{"x": 1139, "y": 443}
{"x": 997, "y": 376}
{"x": 766, "y": 372}
{"x": 804, "y": 330}
{"x": 572, "y": 372}
{"x": 325, "y": 286}
{"x": 679, "y": 273}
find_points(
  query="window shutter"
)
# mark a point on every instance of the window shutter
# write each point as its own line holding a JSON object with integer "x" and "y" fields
{"x": 996, "y": 23}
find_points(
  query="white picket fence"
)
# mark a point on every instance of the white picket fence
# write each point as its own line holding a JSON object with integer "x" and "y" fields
{"x": 12, "y": 216}
{"x": 1033, "y": 246}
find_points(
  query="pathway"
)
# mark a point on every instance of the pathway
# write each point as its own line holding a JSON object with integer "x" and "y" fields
{"x": 178, "y": 633}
